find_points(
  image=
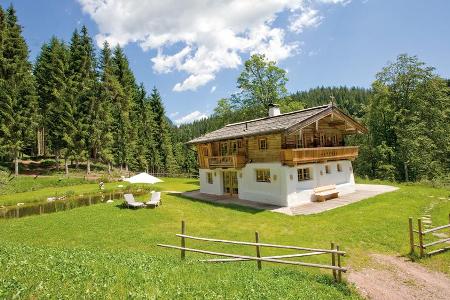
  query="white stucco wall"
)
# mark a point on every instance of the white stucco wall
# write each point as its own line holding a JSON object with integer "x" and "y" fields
{"x": 284, "y": 188}
{"x": 273, "y": 192}
{"x": 216, "y": 188}
{"x": 300, "y": 192}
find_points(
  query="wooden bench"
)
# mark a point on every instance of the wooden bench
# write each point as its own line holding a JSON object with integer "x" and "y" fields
{"x": 326, "y": 192}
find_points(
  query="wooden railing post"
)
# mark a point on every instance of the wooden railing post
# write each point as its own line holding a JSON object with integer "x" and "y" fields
{"x": 183, "y": 240}
{"x": 419, "y": 224}
{"x": 333, "y": 261}
{"x": 411, "y": 236}
{"x": 258, "y": 251}
{"x": 339, "y": 277}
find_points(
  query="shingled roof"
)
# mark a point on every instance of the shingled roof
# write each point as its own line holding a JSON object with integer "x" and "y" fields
{"x": 265, "y": 125}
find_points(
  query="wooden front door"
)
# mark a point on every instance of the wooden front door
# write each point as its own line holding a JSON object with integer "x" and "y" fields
{"x": 230, "y": 183}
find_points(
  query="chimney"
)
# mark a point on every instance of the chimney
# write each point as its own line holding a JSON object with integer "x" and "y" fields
{"x": 274, "y": 110}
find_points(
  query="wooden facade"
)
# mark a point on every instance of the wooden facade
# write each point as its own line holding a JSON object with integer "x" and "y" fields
{"x": 322, "y": 140}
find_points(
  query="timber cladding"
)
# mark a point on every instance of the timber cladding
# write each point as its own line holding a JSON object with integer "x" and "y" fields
{"x": 270, "y": 154}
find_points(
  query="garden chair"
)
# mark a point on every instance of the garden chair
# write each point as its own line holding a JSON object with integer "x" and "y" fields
{"x": 130, "y": 202}
{"x": 155, "y": 200}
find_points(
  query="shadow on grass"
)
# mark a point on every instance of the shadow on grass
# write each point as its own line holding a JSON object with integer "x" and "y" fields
{"x": 240, "y": 208}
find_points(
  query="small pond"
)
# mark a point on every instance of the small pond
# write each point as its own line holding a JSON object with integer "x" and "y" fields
{"x": 64, "y": 203}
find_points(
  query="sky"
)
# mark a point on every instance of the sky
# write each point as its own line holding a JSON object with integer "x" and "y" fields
{"x": 194, "y": 50}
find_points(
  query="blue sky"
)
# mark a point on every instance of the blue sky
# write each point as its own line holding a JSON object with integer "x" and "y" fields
{"x": 193, "y": 51}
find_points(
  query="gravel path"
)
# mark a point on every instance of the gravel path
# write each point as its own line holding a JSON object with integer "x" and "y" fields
{"x": 399, "y": 278}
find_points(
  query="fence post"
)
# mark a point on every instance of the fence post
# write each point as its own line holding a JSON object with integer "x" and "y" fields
{"x": 419, "y": 224}
{"x": 333, "y": 261}
{"x": 258, "y": 250}
{"x": 339, "y": 265}
{"x": 183, "y": 240}
{"x": 411, "y": 236}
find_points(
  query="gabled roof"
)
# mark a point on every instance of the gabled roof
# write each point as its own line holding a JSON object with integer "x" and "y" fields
{"x": 284, "y": 122}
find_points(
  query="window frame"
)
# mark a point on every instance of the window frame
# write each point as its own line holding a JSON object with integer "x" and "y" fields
{"x": 301, "y": 174}
{"x": 209, "y": 178}
{"x": 234, "y": 147}
{"x": 262, "y": 175}
{"x": 266, "y": 146}
{"x": 222, "y": 152}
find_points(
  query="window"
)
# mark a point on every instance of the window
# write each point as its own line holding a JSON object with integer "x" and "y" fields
{"x": 334, "y": 140}
{"x": 223, "y": 149}
{"x": 327, "y": 169}
{"x": 209, "y": 177}
{"x": 262, "y": 144}
{"x": 339, "y": 168}
{"x": 234, "y": 147}
{"x": 263, "y": 175}
{"x": 303, "y": 174}
{"x": 239, "y": 143}
{"x": 299, "y": 141}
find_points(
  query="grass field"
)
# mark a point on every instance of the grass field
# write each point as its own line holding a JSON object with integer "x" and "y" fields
{"x": 26, "y": 189}
{"x": 104, "y": 251}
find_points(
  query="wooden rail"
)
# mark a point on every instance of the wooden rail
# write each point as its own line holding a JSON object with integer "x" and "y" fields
{"x": 335, "y": 252}
{"x": 307, "y": 155}
{"x": 226, "y": 161}
{"x": 421, "y": 234}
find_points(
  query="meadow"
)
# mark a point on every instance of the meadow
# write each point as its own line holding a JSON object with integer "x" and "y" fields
{"x": 106, "y": 251}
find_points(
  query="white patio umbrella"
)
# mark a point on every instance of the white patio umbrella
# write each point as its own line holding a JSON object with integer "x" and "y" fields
{"x": 143, "y": 178}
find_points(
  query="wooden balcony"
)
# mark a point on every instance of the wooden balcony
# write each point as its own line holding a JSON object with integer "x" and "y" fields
{"x": 227, "y": 161}
{"x": 308, "y": 155}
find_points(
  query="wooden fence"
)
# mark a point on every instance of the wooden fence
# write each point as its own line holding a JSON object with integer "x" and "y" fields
{"x": 421, "y": 235}
{"x": 335, "y": 253}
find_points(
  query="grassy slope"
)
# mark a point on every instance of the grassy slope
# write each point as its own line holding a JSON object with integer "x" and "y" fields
{"x": 119, "y": 244}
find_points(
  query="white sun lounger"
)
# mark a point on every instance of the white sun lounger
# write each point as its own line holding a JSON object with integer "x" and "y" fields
{"x": 155, "y": 200}
{"x": 130, "y": 202}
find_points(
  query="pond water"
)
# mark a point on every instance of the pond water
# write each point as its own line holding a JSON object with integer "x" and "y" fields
{"x": 67, "y": 203}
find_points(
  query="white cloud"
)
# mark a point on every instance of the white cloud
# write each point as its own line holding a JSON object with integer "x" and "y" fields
{"x": 189, "y": 118}
{"x": 213, "y": 35}
{"x": 213, "y": 89}
{"x": 308, "y": 18}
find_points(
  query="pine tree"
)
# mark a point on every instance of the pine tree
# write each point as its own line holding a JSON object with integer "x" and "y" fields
{"x": 83, "y": 78}
{"x": 18, "y": 96}
{"x": 163, "y": 136}
{"x": 110, "y": 92}
{"x": 124, "y": 143}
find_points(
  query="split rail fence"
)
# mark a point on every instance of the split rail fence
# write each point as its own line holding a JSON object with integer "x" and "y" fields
{"x": 335, "y": 253}
{"x": 421, "y": 236}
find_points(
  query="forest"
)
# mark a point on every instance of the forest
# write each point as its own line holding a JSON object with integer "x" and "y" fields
{"x": 81, "y": 105}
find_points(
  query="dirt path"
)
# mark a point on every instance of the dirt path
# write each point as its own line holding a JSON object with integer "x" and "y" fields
{"x": 399, "y": 278}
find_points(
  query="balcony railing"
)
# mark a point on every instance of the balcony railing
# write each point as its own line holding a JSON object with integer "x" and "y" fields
{"x": 308, "y": 155}
{"x": 227, "y": 161}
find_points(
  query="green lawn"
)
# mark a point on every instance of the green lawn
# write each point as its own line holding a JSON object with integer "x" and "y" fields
{"x": 103, "y": 251}
{"x": 26, "y": 189}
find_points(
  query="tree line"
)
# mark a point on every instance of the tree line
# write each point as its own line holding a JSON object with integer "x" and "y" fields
{"x": 79, "y": 105}
{"x": 406, "y": 110}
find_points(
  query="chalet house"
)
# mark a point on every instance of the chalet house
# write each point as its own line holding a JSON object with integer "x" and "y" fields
{"x": 280, "y": 159}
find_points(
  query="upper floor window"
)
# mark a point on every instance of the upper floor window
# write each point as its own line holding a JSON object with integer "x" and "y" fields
{"x": 339, "y": 168}
{"x": 299, "y": 141}
{"x": 303, "y": 174}
{"x": 234, "y": 147}
{"x": 327, "y": 169}
{"x": 209, "y": 177}
{"x": 223, "y": 149}
{"x": 262, "y": 175}
{"x": 262, "y": 144}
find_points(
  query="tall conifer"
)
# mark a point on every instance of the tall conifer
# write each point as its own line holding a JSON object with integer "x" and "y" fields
{"x": 18, "y": 96}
